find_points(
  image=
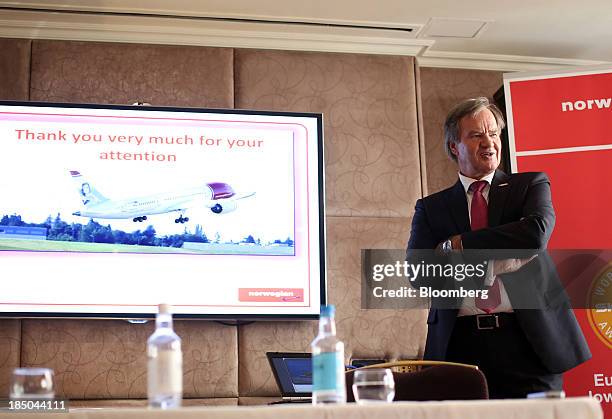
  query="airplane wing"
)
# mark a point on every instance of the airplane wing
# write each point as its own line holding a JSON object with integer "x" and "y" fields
{"x": 244, "y": 195}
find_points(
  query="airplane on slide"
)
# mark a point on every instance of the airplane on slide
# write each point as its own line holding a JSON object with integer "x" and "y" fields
{"x": 219, "y": 197}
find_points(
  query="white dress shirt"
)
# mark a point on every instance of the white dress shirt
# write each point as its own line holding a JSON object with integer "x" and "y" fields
{"x": 468, "y": 307}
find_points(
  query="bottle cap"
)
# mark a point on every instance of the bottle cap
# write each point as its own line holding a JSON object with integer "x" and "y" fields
{"x": 164, "y": 309}
{"x": 328, "y": 310}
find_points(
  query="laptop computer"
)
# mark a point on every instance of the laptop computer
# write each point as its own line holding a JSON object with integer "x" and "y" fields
{"x": 293, "y": 374}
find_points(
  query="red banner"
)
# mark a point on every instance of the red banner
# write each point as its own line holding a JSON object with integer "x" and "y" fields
{"x": 561, "y": 123}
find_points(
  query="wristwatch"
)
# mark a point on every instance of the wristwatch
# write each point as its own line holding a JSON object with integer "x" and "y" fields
{"x": 447, "y": 246}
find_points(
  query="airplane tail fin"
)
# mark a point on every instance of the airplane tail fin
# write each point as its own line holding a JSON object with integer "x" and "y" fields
{"x": 89, "y": 195}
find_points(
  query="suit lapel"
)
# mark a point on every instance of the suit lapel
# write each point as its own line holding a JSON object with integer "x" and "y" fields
{"x": 459, "y": 208}
{"x": 500, "y": 190}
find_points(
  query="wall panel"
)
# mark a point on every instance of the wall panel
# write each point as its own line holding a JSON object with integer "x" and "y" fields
{"x": 14, "y": 69}
{"x": 106, "y": 359}
{"x": 10, "y": 352}
{"x": 372, "y": 174}
{"x": 68, "y": 71}
{"x": 369, "y": 107}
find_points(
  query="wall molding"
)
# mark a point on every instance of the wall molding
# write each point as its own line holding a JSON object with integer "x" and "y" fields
{"x": 176, "y": 31}
{"x": 497, "y": 62}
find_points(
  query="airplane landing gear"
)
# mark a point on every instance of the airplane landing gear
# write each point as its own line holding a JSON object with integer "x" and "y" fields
{"x": 139, "y": 219}
{"x": 181, "y": 220}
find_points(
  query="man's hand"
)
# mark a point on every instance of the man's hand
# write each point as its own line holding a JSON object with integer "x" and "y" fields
{"x": 455, "y": 243}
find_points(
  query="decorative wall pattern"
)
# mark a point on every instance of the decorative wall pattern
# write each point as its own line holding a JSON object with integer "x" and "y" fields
{"x": 10, "y": 347}
{"x": 92, "y": 359}
{"x": 369, "y": 107}
{"x": 389, "y": 334}
{"x": 14, "y": 69}
{"x": 67, "y": 71}
{"x": 106, "y": 359}
{"x": 441, "y": 89}
{"x": 210, "y": 359}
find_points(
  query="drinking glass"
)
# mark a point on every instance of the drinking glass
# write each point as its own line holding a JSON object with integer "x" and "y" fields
{"x": 32, "y": 383}
{"x": 373, "y": 385}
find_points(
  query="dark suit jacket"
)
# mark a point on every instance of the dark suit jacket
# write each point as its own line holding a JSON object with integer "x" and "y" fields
{"x": 521, "y": 216}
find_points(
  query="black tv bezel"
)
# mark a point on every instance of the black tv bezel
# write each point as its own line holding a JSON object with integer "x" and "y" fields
{"x": 223, "y": 317}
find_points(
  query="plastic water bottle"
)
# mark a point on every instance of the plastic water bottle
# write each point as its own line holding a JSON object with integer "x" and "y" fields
{"x": 165, "y": 363}
{"x": 328, "y": 382}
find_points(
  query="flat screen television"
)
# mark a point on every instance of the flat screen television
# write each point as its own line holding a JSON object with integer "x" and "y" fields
{"x": 107, "y": 211}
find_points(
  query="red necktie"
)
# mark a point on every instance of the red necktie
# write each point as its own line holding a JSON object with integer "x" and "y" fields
{"x": 479, "y": 218}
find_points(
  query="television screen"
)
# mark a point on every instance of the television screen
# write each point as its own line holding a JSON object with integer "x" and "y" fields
{"x": 107, "y": 211}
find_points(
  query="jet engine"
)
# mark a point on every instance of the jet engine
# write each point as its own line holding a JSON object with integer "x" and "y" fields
{"x": 224, "y": 207}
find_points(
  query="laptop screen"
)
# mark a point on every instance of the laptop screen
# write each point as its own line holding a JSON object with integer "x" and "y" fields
{"x": 292, "y": 372}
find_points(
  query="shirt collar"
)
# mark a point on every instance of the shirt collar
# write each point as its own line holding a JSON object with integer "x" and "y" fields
{"x": 467, "y": 181}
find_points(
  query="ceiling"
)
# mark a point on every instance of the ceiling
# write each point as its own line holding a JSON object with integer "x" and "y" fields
{"x": 515, "y": 34}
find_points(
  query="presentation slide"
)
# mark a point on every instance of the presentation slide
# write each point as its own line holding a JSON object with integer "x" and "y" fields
{"x": 109, "y": 210}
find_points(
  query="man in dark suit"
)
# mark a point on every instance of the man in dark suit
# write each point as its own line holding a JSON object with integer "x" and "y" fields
{"x": 519, "y": 350}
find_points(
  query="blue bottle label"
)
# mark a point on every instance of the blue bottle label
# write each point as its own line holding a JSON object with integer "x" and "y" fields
{"x": 327, "y": 371}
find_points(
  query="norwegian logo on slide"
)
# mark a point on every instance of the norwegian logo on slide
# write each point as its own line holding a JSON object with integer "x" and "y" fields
{"x": 271, "y": 295}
